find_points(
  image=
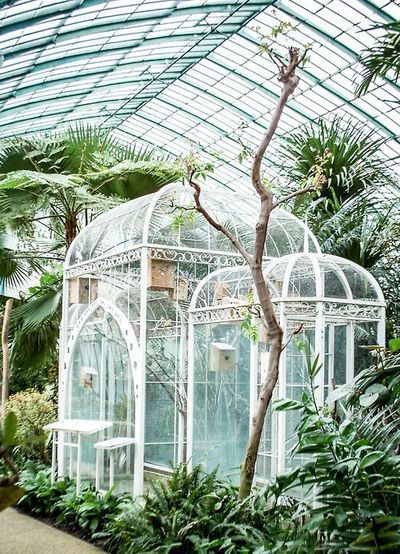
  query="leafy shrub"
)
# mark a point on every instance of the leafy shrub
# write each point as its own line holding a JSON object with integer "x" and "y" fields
{"x": 41, "y": 497}
{"x": 10, "y": 492}
{"x": 353, "y": 473}
{"x": 87, "y": 512}
{"x": 33, "y": 410}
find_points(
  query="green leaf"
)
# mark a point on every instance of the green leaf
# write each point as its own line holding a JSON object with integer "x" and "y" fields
{"x": 340, "y": 516}
{"x": 339, "y": 393}
{"x": 9, "y": 429}
{"x": 367, "y": 400}
{"x": 284, "y": 404}
{"x": 371, "y": 458}
{"x": 394, "y": 344}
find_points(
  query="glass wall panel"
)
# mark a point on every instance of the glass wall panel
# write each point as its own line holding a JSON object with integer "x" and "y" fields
{"x": 336, "y": 355}
{"x": 268, "y": 451}
{"x": 365, "y": 334}
{"x": 296, "y": 380}
{"x": 163, "y": 398}
{"x": 221, "y": 396}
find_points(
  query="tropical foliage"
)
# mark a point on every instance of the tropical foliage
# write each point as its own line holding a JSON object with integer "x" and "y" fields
{"x": 59, "y": 182}
{"x": 383, "y": 59}
{"x": 10, "y": 491}
{"x": 348, "y": 160}
{"x": 353, "y": 472}
{"x": 353, "y": 212}
{"x": 343, "y": 498}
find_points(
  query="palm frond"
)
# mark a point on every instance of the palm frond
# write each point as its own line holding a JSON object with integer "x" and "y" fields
{"x": 349, "y": 155}
{"x": 37, "y": 312}
{"x": 382, "y": 59}
{"x": 130, "y": 179}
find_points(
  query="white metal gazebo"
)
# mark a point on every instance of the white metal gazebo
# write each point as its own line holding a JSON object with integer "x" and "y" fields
{"x": 334, "y": 304}
{"x": 129, "y": 279}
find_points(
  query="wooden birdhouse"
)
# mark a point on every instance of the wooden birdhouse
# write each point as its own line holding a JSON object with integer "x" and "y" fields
{"x": 88, "y": 377}
{"x": 180, "y": 291}
{"x": 83, "y": 290}
{"x": 161, "y": 275}
{"x": 223, "y": 357}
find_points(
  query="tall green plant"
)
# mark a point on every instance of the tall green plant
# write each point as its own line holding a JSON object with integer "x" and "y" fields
{"x": 62, "y": 180}
{"x": 348, "y": 159}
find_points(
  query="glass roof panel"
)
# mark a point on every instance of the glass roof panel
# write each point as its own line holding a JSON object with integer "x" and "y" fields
{"x": 166, "y": 71}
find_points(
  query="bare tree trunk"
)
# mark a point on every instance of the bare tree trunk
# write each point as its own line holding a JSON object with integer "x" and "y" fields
{"x": 6, "y": 351}
{"x": 287, "y": 76}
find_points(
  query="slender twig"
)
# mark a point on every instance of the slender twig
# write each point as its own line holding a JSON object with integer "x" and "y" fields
{"x": 310, "y": 188}
{"x": 295, "y": 332}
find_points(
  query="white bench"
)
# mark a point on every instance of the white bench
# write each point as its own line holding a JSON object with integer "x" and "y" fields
{"x": 110, "y": 445}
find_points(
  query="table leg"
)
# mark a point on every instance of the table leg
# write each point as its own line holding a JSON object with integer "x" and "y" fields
{"x": 78, "y": 464}
{"x": 111, "y": 468}
{"x": 53, "y": 458}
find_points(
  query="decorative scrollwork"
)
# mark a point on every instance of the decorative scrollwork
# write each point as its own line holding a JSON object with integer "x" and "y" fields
{"x": 99, "y": 265}
{"x": 159, "y": 253}
{"x": 300, "y": 308}
{"x": 195, "y": 256}
{"x": 354, "y": 311}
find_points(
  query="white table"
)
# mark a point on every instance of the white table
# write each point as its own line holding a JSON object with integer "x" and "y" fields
{"x": 80, "y": 427}
{"x": 110, "y": 445}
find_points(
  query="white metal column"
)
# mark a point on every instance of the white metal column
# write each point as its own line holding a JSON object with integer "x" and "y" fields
{"x": 140, "y": 386}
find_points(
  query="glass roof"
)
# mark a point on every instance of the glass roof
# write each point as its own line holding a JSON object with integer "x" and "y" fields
{"x": 152, "y": 220}
{"x": 166, "y": 72}
{"x": 297, "y": 277}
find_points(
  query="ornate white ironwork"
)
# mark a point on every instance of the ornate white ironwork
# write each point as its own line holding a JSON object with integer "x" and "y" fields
{"x": 355, "y": 311}
{"x": 175, "y": 254}
{"x": 158, "y": 253}
{"x": 218, "y": 314}
{"x": 300, "y": 308}
{"x": 96, "y": 266}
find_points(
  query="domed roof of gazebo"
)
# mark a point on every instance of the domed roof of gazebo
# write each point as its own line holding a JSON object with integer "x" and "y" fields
{"x": 152, "y": 220}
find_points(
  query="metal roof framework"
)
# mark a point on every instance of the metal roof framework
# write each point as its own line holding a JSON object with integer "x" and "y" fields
{"x": 168, "y": 72}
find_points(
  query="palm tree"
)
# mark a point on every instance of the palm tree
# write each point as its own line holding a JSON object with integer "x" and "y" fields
{"x": 346, "y": 157}
{"x": 15, "y": 268}
{"x": 382, "y": 59}
{"x": 63, "y": 180}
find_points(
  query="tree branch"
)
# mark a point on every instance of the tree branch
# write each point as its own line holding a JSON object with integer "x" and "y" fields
{"x": 199, "y": 207}
{"x": 311, "y": 188}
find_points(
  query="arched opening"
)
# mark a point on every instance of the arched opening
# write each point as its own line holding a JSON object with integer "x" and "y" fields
{"x": 100, "y": 387}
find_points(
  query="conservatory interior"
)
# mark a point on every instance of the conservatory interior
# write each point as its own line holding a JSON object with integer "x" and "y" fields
{"x": 155, "y": 352}
{"x": 155, "y": 367}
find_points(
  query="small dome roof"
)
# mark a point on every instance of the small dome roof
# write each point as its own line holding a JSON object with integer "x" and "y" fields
{"x": 152, "y": 219}
{"x": 301, "y": 276}
{"x": 322, "y": 276}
